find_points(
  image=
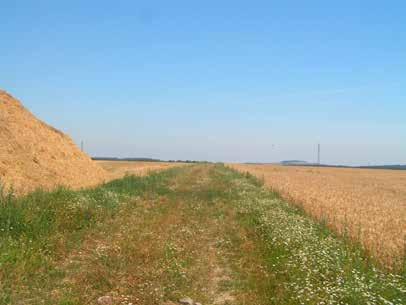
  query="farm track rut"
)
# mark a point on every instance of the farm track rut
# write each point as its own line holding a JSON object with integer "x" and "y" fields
{"x": 160, "y": 249}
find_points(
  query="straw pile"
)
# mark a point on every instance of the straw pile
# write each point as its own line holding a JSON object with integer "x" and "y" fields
{"x": 35, "y": 155}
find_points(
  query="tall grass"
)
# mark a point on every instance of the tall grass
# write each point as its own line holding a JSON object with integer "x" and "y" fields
{"x": 42, "y": 227}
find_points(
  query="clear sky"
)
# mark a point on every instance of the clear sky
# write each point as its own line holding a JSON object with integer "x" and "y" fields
{"x": 214, "y": 80}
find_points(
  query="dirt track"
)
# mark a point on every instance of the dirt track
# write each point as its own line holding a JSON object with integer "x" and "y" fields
{"x": 201, "y": 231}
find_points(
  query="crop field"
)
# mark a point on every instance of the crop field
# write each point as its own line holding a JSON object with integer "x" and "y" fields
{"x": 204, "y": 232}
{"x": 367, "y": 206}
{"x": 119, "y": 169}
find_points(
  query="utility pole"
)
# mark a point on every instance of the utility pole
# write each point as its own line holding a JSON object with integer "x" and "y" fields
{"x": 318, "y": 154}
{"x": 81, "y": 145}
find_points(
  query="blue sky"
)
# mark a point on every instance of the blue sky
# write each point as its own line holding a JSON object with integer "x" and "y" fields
{"x": 214, "y": 80}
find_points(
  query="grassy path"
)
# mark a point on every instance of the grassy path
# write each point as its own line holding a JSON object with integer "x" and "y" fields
{"x": 204, "y": 232}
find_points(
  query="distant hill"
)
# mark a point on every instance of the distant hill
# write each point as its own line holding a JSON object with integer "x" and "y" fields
{"x": 395, "y": 166}
{"x": 304, "y": 163}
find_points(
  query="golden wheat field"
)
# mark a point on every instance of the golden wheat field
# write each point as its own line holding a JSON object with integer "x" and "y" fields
{"x": 367, "y": 205}
{"x": 118, "y": 169}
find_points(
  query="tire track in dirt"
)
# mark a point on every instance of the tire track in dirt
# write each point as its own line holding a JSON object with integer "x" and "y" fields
{"x": 159, "y": 248}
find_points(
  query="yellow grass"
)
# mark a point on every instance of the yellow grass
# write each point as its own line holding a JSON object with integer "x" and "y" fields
{"x": 118, "y": 169}
{"x": 367, "y": 205}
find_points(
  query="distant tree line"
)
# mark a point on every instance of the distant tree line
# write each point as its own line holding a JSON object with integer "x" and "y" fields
{"x": 126, "y": 159}
{"x": 187, "y": 161}
{"x": 144, "y": 160}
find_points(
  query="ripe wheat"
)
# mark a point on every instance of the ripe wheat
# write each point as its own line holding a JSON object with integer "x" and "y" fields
{"x": 368, "y": 206}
